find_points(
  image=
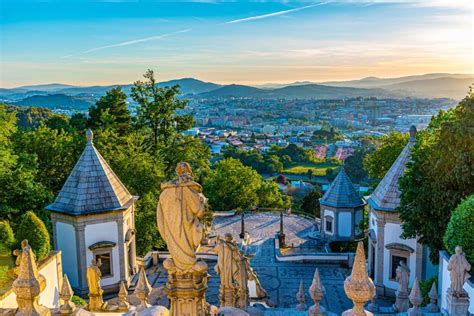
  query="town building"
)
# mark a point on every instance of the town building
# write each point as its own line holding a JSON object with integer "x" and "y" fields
{"x": 342, "y": 210}
{"x": 387, "y": 248}
{"x": 93, "y": 218}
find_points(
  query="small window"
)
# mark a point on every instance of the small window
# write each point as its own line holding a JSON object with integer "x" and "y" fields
{"x": 395, "y": 262}
{"x": 106, "y": 264}
{"x": 329, "y": 225}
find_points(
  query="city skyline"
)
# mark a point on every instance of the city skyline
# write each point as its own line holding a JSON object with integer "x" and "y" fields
{"x": 112, "y": 42}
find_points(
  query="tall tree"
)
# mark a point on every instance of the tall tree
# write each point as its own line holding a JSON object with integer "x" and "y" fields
{"x": 157, "y": 108}
{"x": 111, "y": 111}
{"x": 381, "y": 159}
{"x": 440, "y": 175}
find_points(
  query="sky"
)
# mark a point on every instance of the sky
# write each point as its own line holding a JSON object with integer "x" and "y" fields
{"x": 84, "y": 42}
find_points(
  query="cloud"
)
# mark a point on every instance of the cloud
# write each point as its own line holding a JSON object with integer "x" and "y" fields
{"x": 269, "y": 15}
{"x": 127, "y": 43}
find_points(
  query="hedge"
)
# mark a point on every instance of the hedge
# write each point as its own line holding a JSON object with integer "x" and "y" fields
{"x": 34, "y": 230}
{"x": 460, "y": 230}
{"x": 7, "y": 239}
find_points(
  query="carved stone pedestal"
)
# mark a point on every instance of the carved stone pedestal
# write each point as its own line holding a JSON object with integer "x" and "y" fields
{"x": 228, "y": 297}
{"x": 402, "y": 302}
{"x": 457, "y": 304}
{"x": 96, "y": 303}
{"x": 186, "y": 292}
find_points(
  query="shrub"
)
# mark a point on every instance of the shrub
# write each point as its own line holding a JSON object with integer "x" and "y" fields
{"x": 425, "y": 287}
{"x": 460, "y": 230}
{"x": 34, "y": 230}
{"x": 79, "y": 301}
{"x": 7, "y": 239}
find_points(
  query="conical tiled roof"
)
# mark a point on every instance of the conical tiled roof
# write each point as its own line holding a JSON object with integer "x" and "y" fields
{"x": 342, "y": 193}
{"x": 92, "y": 186}
{"x": 386, "y": 196}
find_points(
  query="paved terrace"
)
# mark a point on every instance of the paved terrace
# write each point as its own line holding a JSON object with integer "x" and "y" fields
{"x": 280, "y": 279}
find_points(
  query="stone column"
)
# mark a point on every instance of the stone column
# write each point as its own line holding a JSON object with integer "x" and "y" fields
{"x": 379, "y": 255}
{"x": 186, "y": 291}
{"x": 81, "y": 257}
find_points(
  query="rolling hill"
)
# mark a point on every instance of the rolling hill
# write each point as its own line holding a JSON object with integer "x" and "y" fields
{"x": 56, "y": 101}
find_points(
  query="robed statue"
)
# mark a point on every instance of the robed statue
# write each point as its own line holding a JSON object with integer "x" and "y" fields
{"x": 403, "y": 277}
{"x": 180, "y": 206}
{"x": 94, "y": 275}
{"x": 458, "y": 268}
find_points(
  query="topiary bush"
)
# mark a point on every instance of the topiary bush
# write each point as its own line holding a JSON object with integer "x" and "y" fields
{"x": 460, "y": 230}
{"x": 34, "y": 230}
{"x": 79, "y": 301}
{"x": 7, "y": 239}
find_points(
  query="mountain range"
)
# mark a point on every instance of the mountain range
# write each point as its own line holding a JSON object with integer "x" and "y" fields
{"x": 439, "y": 85}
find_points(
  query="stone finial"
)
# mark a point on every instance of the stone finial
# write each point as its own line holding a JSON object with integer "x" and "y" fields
{"x": 123, "y": 305}
{"x": 89, "y": 136}
{"x": 416, "y": 299}
{"x": 300, "y": 298}
{"x": 317, "y": 292}
{"x": 412, "y": 133}
{"x": 142, "y": 289}
{"x": 67, "y": 307}
{"x": 29, "y": 284}
{"x": 433, "y": 295}
{"x": 358, "y": 286}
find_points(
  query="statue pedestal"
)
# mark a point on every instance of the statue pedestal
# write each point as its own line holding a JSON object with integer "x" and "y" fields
{"x": 402, "y": 302}
{"x": 186, "y": 291}
{"x": 95, "y": 303}
{"x": 227, "y": 297}
{"x": 457, "y": 304}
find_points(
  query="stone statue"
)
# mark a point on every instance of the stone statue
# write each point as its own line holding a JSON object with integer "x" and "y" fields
{"x": 403, "y": 277}
{"x": 180, "y": 206}
{"x": 458, "y": 268}
{"x": 95, "y": 291}
{"x": 227, "y": 268}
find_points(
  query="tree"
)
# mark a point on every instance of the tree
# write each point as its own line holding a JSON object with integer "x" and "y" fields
{"x": 34, "y": 230}
{"x": 310, "y": 203}
{"x": 78, "y": 121}
{"x": 148, "y": 237}
{"x": 381, "y": 159}
{"x": 232, "y": 186}
{"x": 439, "y": 176}
{"x": 460, "y": 230}
{"x": 58, "y": 121}
{"x": 7, "y": 238}
{"x": 270, "y": 196}
{"x": 111, "y": 111}
{"x": 157, "y": 109}
{"x": 354, "y": 165}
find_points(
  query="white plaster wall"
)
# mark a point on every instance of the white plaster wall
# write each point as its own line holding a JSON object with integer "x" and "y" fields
{"x": 50, "y": 296}
{"x": 344, "y": 224}
{"x": 66, "y": 241}
{"x": 445, "y": 281}
{"x": 104, "y": 232}
{"x": 392, "y": 235}
{"x": 330, "y": 214}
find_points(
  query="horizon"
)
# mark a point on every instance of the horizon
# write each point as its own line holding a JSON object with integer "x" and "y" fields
{"x": 250, "y": 43}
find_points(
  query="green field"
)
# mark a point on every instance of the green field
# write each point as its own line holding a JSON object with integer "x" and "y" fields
{"x": 319, "y": 168}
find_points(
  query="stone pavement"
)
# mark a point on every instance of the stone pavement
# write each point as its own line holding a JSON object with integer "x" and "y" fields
{"x": 280, "y": 279}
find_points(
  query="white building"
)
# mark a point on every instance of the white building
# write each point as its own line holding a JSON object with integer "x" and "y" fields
{"x": 386, "y": 246}
{"x": 93, "y": 218}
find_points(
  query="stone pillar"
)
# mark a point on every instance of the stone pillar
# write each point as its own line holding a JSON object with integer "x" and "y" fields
{"x": 29, "y": 284}
{"x": 186, "y": 291}
{"x": 81, "y": 257}
{"x": 281, "y": 234}
{"x": 142, "y": 290}
{"x": 416, "y": 299}
{"x": 243, "y": 290}
{"x": 300, "y": 298}
{"x": 317, "y": 292}
{"x": 379, "y": 255}
{"x": 133, "y": 254}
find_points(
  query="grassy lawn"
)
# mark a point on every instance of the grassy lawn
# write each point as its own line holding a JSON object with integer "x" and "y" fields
{"x": 319, "y": 168}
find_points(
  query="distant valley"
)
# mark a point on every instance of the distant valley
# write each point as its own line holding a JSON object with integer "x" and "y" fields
{"x": 57, "y": 95}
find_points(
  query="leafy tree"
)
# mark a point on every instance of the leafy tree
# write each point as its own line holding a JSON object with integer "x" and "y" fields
{"x": 460, "y": 230}
{"x": 7, "y": 238}
{"x": 7, "y": 155}
{"x": 78, "y": 121}
{"x": 439, "y": 175}
{"x": 157, "y": 109}
{"x": 148, "y": 237}
{"x": 296, "y": 153}
{"x": 310, "y": 203}
{"x": 34, "y": 230}
{"x": 354, "y": 165}
{"x": 269, "y": 195}
{"x": 59, "y": 122}
{"x": 111, "y": 111}
{"x": 231, "y": 185}
{"x": 381, "y": 159}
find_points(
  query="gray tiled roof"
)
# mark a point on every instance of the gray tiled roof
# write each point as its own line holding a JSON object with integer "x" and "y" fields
{"x": 386, "y": 196}
{"x": 92, "y": 187}
{"x": 342, "y": 193}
